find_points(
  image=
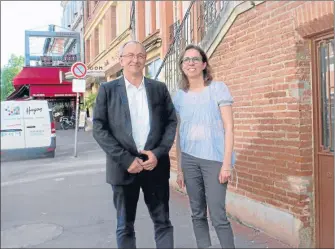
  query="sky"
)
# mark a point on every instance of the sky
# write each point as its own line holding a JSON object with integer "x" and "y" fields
{"x": 18, "y": 16}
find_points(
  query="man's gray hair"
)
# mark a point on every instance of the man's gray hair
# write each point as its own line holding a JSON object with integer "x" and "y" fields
{"x": 130, "y": 42}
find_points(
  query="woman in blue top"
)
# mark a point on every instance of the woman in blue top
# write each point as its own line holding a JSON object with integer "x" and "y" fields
{"x": 205, "y": 141}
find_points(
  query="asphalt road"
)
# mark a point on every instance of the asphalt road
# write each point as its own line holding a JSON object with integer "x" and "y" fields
{"x": 65, "y": 202}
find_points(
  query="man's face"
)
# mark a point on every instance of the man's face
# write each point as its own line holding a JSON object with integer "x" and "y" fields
{"x": 133, "y": 58}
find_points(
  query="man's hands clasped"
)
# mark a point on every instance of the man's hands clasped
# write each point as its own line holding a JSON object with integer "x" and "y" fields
{"x": 138, "y": 165}
{"x": 151, "y": 163}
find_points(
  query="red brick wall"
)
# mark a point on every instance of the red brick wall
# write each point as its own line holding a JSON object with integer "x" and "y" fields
{"x": 266, "y": 64}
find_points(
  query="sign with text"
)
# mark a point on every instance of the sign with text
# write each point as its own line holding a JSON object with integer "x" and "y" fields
{"x": 82, "y": 119}
{"x": 46, "y": 60}
{"x": 78, "y": 85}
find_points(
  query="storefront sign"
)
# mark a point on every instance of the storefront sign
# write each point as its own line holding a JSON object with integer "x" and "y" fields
{"x": 96, "y": 68}
{"x": 46, "y": 60}
{"x": 65, "y": 95}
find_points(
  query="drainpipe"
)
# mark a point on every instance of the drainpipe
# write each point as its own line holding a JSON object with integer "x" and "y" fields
{"x": 175, "y": 6}
{"x": 133, "y": 21}
{"x": 334, "y": 143}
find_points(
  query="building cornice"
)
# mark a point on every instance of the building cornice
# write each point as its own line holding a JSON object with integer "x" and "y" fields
{"x": 152, "y": 37}
{"x": 111, "y": 46}
{"x": 152, "y": 42}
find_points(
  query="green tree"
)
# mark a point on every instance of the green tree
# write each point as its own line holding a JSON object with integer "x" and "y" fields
{"x": 89, "y": 101}
{"x": 8, "y": 72}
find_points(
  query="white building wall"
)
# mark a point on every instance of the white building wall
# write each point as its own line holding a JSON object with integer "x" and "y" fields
{"x": 73, "y": 19}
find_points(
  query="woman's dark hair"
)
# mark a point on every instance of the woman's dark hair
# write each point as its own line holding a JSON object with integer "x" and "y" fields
{"x": 207, "y": 72}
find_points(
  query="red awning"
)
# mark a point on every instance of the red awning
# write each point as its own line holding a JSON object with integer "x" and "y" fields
{"x": 44, "y": 81}
{"x": 40, "y": 76}
{"x": 59, "y": 90}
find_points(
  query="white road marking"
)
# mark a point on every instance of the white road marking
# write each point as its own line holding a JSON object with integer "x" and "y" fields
{"x": 80, "y": 152}
{"x": 81, "y": 164}
{"x": 48, "y": 176}
{"x": 72, "y": 145}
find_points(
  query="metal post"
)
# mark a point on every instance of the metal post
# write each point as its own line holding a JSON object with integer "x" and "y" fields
{"x": 334, "y": 141}
{"x": 334, "y": 157}
{"x": 76, "y": 131}
{"x": 133, "y": 20}
{"x": 26, "y": 49}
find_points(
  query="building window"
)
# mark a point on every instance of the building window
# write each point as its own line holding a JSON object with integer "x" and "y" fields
{"x": 88, "y": 50}
{"x": 158, "y": 18}
{"x": 113, "y": 27}
{"x": 152, "y": 68}
{"x": 102, "y": 40}
{"x": 96, "y": 42}
{"x": 147, "y": 18}
{"x": 326, "y": 78}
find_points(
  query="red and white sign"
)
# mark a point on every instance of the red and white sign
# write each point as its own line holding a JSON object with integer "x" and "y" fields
{"x": 79, "y": 70}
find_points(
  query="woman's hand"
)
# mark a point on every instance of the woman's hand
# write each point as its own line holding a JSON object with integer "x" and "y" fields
{"x": 180, "y": 180}
{"x": 225, "y": 174}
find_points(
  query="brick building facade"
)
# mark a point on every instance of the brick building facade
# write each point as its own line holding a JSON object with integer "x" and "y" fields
{"x": 269, "y": 56}
{"x": 277, "y": 57}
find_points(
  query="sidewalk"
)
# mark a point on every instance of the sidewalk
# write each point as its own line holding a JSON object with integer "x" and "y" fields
{"x": 245, "y": 237}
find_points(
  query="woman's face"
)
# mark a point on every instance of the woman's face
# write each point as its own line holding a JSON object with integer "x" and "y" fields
{"x": 192, "y": 64}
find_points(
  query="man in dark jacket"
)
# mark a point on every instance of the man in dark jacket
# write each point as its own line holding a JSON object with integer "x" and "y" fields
{"x": 135, "y": 124}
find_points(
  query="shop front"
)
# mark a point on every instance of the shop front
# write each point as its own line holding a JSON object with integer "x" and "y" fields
{"x": 49, "y": 54}
{"x": 47, "y": 84}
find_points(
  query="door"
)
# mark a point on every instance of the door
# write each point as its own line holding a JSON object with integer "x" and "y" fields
{"x": 12, "y": 126}
{"x": 324, "y": 139}
{"x": 37, "y": 124}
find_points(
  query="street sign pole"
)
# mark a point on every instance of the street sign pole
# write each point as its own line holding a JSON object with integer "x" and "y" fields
{"x": 76, "y": 131}
{"x": 334, "y": 143}
{"x": 79, "y": 71}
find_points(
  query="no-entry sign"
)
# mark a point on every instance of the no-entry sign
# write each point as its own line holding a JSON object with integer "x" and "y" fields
{"x": 79, "y": 70}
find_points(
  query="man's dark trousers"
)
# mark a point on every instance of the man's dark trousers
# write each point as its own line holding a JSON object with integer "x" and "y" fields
{"x": 156, "y": 197}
